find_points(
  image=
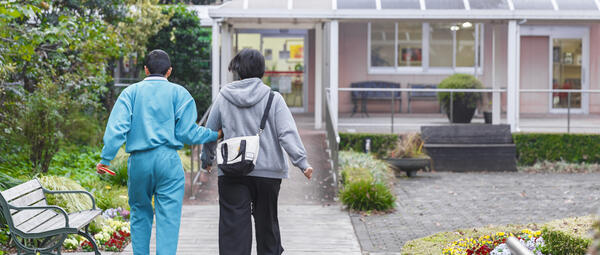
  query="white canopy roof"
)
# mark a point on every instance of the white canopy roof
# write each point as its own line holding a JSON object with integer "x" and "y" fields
{"x": 410, "y": 9}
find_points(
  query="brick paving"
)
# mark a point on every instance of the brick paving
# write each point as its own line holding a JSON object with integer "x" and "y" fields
{"x": 437, "y": 202}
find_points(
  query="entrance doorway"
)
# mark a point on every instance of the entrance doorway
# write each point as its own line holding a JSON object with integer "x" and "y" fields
{"x": 568, "y": 62}
{"x": 285, "y": 52}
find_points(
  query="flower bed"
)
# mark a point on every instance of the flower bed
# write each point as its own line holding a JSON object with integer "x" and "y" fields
{"x": 111, "y": 232}
{"x": 495, "y": 244}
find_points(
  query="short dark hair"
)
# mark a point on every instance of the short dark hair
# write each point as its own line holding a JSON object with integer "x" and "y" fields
{"x": 158, "y": 62}
{"x": 248, "y": 63}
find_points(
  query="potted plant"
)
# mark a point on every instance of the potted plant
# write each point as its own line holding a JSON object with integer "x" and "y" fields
{"x": 463, "y": 103}
{"x": 408, "y": 155}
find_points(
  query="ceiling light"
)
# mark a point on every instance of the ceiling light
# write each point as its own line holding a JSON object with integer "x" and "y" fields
{"x": 467, "y": 25}
{"x": 454, "y": 28}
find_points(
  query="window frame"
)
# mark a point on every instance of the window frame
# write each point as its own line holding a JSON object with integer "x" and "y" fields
{"x": 425, "y": 68}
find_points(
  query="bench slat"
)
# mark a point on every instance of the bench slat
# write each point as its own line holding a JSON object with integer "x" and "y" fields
{"x": 19, "y": 190}
{"x": 38, "y": 220}
{"x": 467, "y": 134}
{"x": 32, "y": 198}
{"x": 77, "y": 220}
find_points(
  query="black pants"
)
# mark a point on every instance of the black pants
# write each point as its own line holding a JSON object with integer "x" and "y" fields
{"x": 240, "y": 197}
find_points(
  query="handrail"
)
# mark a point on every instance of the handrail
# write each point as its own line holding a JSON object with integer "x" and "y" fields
{"x": 420, "y": 90}
{"x": 196, "y": 148}
{"x": 333, "y": 137}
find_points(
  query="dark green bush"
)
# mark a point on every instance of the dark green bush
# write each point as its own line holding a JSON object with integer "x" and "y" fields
{"x": 380, "y": 143}
{"x": 460, "y": 81}
{"x": 364, "y": 195}
{"x": 573, "y": 148}
{"x": 559, "y": 243}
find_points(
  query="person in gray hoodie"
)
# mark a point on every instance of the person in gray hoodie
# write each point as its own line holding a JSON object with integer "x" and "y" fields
{"x": 238, "y": 110}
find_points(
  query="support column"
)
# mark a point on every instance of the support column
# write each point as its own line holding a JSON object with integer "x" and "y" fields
{"x": 318, "y": 75}
{"x": 215, "y": 63}
{"x": 496, "y": 96}
{"x": 226, "y": 48}
{"x": 512, "y": 109}
{"x": 334, "y": 68}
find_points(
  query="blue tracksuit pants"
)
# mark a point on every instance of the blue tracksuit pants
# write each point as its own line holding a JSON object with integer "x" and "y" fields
{"x": 155, "y": 173}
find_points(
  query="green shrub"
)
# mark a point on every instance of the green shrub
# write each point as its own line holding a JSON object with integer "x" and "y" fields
{"x": 364, "y": 195}
{"x": 69, "y": 202}
{"x": 111, "y": 197}
{"x": 460, "y": 81}
{"x": 380, "y": 143}
{"x": 572, "y": 148}
{"x": 559, "y": 242}
{"x": 353, "y": 174}
{"x": 380, "y": 170}
{"x": 78, "y": 164}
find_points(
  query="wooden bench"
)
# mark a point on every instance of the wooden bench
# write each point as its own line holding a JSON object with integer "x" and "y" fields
{"x": 36, "y": 227}
{"x": 362, "y": 96}
{"x": 422, "y": 95}
{"x": 470, "y": 147}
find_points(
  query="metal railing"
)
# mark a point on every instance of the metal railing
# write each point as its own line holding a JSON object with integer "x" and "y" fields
{"x": 569, "y": 93}
{"x": 567, "y": 111}
{"x": 195, "y": 156}
{"x": 333, "y": 138}
{"x": 393, "y": 97}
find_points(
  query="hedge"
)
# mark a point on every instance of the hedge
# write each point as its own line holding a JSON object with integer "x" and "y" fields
{"x": 380, "y": 143}
{"x": 573, "y": 148}
{"x": 559, "y": 242}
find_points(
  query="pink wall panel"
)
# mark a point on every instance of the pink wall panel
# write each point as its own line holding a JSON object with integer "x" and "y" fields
{"x": 534, "y": 73}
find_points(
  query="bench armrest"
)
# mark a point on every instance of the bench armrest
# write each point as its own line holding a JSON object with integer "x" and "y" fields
{"x": 47, "y": 207}
{"x": 72, "y": 192}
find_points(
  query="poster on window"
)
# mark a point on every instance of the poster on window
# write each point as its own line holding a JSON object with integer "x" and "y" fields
{"x": 285, "y": 84}
{"x": 296, "y": 51}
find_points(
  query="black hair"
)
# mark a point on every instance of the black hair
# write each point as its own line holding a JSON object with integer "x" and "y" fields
{"x": 248, "y": 63}
{"x": 158, "y": 62}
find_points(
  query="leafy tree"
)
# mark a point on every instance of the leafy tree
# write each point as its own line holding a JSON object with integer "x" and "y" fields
{"x": 55, "y": 66}
{"x": 188, "y": 45}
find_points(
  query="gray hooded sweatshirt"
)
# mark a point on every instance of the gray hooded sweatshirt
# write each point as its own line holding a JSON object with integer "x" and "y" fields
{"x": 238, "y": 110}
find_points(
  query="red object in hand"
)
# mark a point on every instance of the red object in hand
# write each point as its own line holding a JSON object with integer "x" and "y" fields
{"x": 102, "y": 168}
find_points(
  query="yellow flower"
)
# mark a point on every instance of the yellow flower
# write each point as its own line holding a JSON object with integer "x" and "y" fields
{"x": 538, "y": 233}
{"x": 500, "y": 233}
{"x": 107, "y": 187}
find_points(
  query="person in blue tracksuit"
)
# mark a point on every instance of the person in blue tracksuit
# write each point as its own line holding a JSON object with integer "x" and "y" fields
{"x": 155, "y": 118}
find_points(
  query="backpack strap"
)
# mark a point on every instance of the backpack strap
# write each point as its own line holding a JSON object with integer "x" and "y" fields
{"x": 265, "y": 116}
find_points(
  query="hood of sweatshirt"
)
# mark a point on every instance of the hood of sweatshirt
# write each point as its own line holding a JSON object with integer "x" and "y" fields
{"x": 245, "y": 93}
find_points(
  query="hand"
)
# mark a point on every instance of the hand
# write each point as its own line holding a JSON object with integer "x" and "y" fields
{"x": 308, "y": 172}
{"x": 99, "y": 167}
{"x": 208, "y": 168}
{"x": 220, "y": 134}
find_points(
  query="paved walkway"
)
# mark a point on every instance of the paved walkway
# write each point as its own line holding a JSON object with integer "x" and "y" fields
{"x": 436, "y": 202}
{"x": 311, "y": 221}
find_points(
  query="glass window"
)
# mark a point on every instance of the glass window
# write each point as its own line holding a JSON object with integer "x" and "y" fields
{"x": 440, "y": 44}
{"x": 465, "y": 46}
{"x": 533, "y": 4}
{"x": 267, "y": 4}
{"x": 382, "y": 44}
{"x": 566, "y": 73}
{"x": 488, "y": 4}
{"x": 312, "y": 4}
{"x": 576, "y": 5}
{"x": 410, "y": 37}
{"x": 356, "y": 4}
{"x": 444, "y": 4}
{"x": 400, "y": 4}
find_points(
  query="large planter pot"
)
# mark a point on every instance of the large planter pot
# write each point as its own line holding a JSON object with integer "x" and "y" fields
{"x": 462, "y": 113}
{"x": 409, "y": 165}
